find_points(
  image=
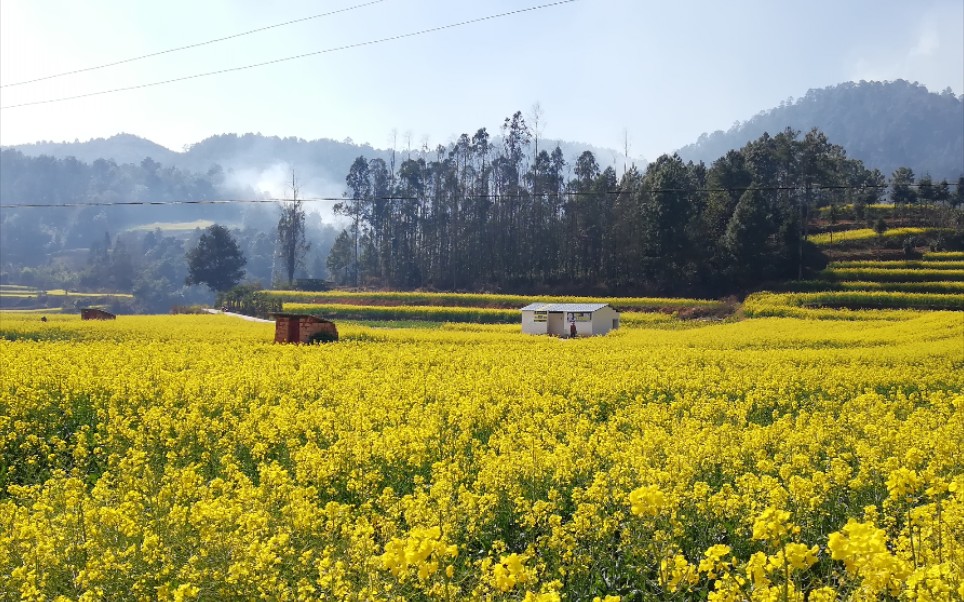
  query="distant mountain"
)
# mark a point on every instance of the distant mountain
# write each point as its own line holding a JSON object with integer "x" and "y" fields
{"x": 264, "y": 163}
{"x": 121, "y": 148}
{"x": 247, "y": 160}
{"x": 884, "y": 124}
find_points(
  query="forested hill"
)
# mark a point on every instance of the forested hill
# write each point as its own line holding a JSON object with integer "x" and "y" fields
{"x": 320, "y": 163}
{"x": 121, "y": 149}
{"x": 884, "y": 124}
{"x": 263, "y": 162}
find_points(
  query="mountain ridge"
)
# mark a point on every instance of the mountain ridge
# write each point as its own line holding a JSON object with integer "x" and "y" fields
{"x": 264, "y": 164}
{"x": 886, "y": 125}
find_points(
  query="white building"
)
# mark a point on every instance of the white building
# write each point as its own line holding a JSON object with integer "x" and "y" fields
{"x": 558, "y": 319}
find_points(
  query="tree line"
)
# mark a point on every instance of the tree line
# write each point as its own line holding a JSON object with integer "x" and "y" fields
{"x": 511, "y": 216}
{"x": 485, "y": 213}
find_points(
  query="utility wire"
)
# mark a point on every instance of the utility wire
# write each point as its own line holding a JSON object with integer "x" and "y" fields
{"x": 189, "y": 202}
{"x": 189, "y": 46}
{"x": 405, "y": 198}
{"x": 299, "y": 56}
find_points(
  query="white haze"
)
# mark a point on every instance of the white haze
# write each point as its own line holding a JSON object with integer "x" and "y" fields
{"x": 274, "y": 182}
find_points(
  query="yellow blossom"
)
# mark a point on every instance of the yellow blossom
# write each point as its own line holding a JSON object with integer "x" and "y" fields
{"x": 647, "y": 500}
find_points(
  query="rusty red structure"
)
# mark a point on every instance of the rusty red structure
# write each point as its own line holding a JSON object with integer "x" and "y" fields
{"x": 303, "y": 328}
{"x": 92, "y": 313}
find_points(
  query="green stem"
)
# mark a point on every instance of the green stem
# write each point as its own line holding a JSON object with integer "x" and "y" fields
{"x": 786, "y": 575}
{"x": 910, "y": 536}
{"x": 940, "y": 542}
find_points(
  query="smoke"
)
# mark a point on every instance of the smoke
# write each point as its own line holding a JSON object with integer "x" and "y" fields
{"x": 275, "y": 181}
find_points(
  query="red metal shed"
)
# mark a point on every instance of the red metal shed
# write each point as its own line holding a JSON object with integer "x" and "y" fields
{"x": 302, "y": 328}
{"x": 92, "y": 313}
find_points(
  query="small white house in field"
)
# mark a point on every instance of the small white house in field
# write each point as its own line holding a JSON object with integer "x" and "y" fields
{"x": 558, "y": 319}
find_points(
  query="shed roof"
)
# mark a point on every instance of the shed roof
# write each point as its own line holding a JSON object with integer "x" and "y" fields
{"x": 590, "y": 307}
{"x": 307, "y": 317}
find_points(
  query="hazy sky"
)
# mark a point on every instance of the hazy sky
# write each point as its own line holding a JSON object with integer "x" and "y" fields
{"x": 663, "y": 72}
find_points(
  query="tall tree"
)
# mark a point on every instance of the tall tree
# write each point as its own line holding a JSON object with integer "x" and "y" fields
{"x": 747, "y": 235}
{"x": 902, "y": 187}
{"x": 942, "y": 192}
{"x": 98, "y": 272}
{"x": 292, "y": 245}
{"x": 122, "y": 267}
{"x": 359, "y": 185}
{"x": 216, "y": 261}
{"x": 340, "y": 258}
{"x": 926, "y": 191}
{"x": 667, "y": 207}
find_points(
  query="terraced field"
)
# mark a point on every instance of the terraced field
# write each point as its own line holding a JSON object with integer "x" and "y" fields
{"x": 19, "y": 297}
{"x": 863, "y": 235}
{"x": 934, "y": 282}
{"x": 474, "y": 307}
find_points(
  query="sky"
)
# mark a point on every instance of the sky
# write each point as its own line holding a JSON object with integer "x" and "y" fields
{"x": 602, "y": 72}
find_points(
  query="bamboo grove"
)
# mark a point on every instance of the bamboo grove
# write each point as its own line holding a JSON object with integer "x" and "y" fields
{"x": 485, "y": 215}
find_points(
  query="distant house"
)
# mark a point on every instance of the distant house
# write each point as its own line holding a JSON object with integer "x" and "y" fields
{"x": 557, "y": 319}
{"x": 92, "y": 313}
{"x": 302, "y": 328}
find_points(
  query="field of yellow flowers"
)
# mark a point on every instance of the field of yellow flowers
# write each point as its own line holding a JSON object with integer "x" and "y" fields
{"x": 776, "y": 458}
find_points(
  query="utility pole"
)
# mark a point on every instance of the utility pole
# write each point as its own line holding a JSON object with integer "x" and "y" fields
{"x": 625, "y": 150}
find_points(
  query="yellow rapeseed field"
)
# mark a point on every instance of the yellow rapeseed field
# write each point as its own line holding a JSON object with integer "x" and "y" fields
{"x": 189, "y": 458}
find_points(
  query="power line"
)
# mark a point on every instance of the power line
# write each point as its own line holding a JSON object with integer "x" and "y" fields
{"x": 299, "y": 56}
{"x": 568, "y": 193}
{"x": 189, "y": 46}
{"x": 182, "y": 202}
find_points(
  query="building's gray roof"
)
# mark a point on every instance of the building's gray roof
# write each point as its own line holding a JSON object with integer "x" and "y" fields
{"x": 590, "y": 307}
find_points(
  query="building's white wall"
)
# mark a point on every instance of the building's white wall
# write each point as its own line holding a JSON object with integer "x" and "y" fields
{"x": 583, "y": 329}
{"x": 602, "y": 320}
{"x": 530, "y": 326}
{"x": 557, "y": 324}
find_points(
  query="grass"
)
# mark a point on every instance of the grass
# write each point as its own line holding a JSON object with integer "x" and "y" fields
{"x": 172, "y": 226}
{"x": 788, "y": 305}
{"x": 883, "y": 300}
{"x": 860, "y": 300}
{"x": 947, "y": 264}
{"x": 398, "y": 323}
{"x": 891, "y": 275}
{"x": 805, "y": 286}
{"x": 484, "y": 300}
{"x": 13, "y": 288}
{"x": 944, "y": 256}
{"x": 865, "y": 234}
{"x": 382, "y": 313}
{"x": 59, "y": 292}
{"x": 407, "y": 316}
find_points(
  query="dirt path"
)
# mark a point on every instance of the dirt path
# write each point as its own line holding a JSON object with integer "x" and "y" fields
{"x": 242, "y": 316}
